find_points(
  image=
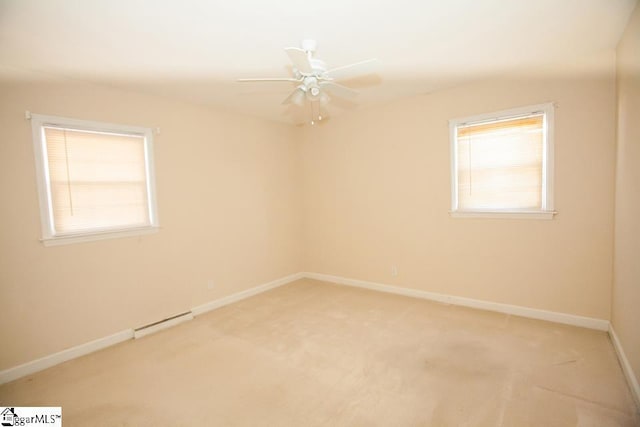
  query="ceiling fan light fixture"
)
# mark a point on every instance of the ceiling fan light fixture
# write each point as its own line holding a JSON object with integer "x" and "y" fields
{"x": 298, "y": 98}
{"x": 314, "y": 80}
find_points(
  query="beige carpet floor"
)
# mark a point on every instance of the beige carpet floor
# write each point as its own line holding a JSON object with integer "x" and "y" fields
{"x": 315, "y": 354}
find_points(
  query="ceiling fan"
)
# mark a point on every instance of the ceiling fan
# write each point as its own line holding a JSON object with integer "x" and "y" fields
{"x": 314, "y": 82}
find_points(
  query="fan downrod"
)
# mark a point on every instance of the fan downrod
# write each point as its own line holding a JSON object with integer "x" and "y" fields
{"x": 309, "y": 45}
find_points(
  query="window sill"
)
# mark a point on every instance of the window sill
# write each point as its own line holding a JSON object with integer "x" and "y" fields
{"x": 504, "y": 214}
{"x": 103, "y": 235}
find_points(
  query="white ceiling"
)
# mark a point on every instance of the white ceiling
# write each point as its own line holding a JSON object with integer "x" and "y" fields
{"x": 195, "y": 49}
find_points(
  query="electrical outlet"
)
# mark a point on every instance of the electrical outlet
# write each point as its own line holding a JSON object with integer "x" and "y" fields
{"x": 394, "y": 270}
{"x": 210, "y": 284}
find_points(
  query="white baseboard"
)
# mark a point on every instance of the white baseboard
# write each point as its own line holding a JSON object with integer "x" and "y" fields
{"x": 533, "y": 313}
{"x": 626, "y": 367}
{"x": 45, "y": 362}
{"x": 63, "y": 356}
{"x": 83, "y": 349}
{"x": 212, "y": 305}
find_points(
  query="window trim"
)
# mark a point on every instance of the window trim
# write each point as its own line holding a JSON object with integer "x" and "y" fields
{"x": 547, "y": 211}
{"x": 49, "y": 236}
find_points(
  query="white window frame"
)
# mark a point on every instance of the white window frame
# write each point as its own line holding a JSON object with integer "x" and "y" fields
{"x": 547, "y": 211}
{"x": 49, "y": 235}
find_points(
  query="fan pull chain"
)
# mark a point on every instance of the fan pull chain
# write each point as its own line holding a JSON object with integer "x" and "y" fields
{"x": 313, "y": 116}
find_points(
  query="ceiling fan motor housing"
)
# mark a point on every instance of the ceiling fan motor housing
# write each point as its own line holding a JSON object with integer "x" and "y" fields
{"x": 318, "y": 68}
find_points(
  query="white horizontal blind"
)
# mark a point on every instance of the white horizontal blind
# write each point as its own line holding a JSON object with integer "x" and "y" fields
{"x": 500, "y": 164}
{"x": 98, "y": 181}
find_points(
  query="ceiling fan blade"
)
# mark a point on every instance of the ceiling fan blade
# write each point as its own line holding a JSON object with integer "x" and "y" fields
{"x": 296, "y": 97}
{"x": 346, "y": 71}
{"x": 269, "y": 79}
{"x": 299, "y": 59}
{"x": 338, "y": 90}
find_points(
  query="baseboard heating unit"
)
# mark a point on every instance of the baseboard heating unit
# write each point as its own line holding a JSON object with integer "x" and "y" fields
{"x": 162, "y": 324}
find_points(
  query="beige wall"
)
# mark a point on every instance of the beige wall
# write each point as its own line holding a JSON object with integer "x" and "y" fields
{"x": 228, "y": 197}
{"x": 243, "y": 201}
{"x": 626, "y": 284}
{"x": 377, "y": 194}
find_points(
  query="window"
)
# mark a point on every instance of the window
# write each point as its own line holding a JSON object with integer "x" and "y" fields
{"x": 95, "y": 180}
{"x": 502, "y": 164}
